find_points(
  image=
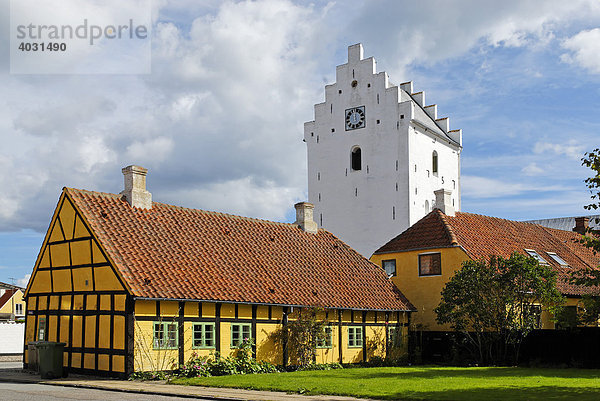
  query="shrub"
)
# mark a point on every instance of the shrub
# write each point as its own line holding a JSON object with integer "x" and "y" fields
{"x": 213, "y": 365}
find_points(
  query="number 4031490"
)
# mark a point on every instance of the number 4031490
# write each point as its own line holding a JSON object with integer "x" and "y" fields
{"x": 35, "y": 47}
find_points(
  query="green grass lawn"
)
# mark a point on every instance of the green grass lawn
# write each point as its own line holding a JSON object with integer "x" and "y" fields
{"x": 425, "y": 383}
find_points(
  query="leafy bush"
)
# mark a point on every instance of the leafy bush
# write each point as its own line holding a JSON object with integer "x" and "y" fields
{"x": 213, "y": 365}
{"x": 322, "y": 366}
{"x": 152, "y": 375}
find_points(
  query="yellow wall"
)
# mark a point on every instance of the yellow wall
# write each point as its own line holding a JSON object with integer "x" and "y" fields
{"x": 267, "y": 348}
{"x": 423, "y": 292}
{"x": 70, "y": 269}
{"x": 11, "y": 305}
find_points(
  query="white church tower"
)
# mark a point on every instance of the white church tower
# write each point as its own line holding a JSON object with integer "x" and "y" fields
{"x": 376, "y": 155}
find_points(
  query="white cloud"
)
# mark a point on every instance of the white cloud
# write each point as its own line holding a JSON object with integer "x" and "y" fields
{"x": 532, "y": 169}
{"x": 584, "y": 50}
{"x": 22, "y": 282}
{"x": 475, "y": 187}
{"x": 222, "y": 110}
{"x": 232, "y": 84}
{"x": 242, "y": 196}
{"x": 432, "y": 31}
{"x": 571, "y": 149}
{"x": 153, "y": 150}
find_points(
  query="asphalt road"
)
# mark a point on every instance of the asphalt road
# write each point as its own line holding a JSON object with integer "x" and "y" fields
{"x": 41, "y": 392}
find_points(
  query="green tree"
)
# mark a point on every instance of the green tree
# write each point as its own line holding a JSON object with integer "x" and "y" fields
{"x": 496, "y": 304}
{"x": 590, "y": 277}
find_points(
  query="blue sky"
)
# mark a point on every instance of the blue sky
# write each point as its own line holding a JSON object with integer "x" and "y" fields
{"x": 219, "y": 121}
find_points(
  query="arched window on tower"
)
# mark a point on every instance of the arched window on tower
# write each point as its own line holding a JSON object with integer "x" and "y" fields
{"x": 426, "y": 206}
{"x": 434, "y": 162}
{"x": 355, "y": 159}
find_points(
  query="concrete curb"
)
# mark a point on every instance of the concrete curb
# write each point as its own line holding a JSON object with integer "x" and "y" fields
{"x": 120, "y": 390}
{"x": 152, "y": 388}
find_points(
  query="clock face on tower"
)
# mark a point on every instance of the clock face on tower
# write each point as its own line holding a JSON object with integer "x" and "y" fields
{"x": 355, "y": 118}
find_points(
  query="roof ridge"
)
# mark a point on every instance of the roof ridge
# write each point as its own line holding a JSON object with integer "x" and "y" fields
{"x": 168, "y": 205}
{"x": 447, "y": 227}
{"x": 547, "y": 229}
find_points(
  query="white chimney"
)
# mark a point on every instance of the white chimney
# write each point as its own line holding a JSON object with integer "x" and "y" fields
{"x": 443, "y": 201}
{"x": 135, "y": 187}
{"x": 304, "y": 217}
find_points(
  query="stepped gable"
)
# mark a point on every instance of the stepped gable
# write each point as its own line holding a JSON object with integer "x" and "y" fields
{"x": 173, "y": 252}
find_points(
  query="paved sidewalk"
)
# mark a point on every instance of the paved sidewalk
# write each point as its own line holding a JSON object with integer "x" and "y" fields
{"x": 160, "y": 388}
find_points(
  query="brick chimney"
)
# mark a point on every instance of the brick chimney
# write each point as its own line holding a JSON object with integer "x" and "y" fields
{"x": 443, "y": 201}
{"x": 135, "y": 187}
{"x": 304, "y": 217}
{"x": 581, "y": 225}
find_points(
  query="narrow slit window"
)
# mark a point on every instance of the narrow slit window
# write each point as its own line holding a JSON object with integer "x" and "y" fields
{"x": 356, "y": 159}
{"x": 42, "y": 328}
{"x": 434, "y": 162}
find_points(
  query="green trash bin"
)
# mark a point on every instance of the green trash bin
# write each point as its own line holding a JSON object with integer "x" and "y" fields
{"x": 50, "y": 355}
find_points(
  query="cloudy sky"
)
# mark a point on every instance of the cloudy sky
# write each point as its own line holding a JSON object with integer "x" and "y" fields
{"x": 218, "y": 122}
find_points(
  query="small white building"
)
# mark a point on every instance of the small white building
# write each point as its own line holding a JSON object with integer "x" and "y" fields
{"x": 376, "y": 154}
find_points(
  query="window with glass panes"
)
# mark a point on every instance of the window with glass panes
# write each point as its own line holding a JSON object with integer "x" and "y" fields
{"x": 204, "y": 335}
{"x": 355, "y": 336}
{"x": 165, "y": 335}
{"x": 42, "y": 328}
{"x": 389, "y": 266}
{"x": 325, "y": 342}
{"x": 430, "y": 264}
{"x": 394, "y": 336}
{"x": 238, "y": 333}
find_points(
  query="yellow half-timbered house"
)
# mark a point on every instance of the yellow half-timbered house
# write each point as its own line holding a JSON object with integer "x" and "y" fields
{"x": 132, "y": 285}
{"x": 424, "y": 258}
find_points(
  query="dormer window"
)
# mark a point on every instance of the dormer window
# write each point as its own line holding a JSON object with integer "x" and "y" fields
{"x": 558, "y": 259}
{"x": 355, "y": 159}
{"x": 537, "y": 256}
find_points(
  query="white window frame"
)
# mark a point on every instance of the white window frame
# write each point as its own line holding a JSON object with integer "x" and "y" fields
{"x": 558, "y": 259}
{"x": 535, "y": 254}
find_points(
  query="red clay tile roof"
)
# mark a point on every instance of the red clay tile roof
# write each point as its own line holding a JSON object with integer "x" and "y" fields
{"x": 178, "y": 253}
{"x": 483, "y": 236}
